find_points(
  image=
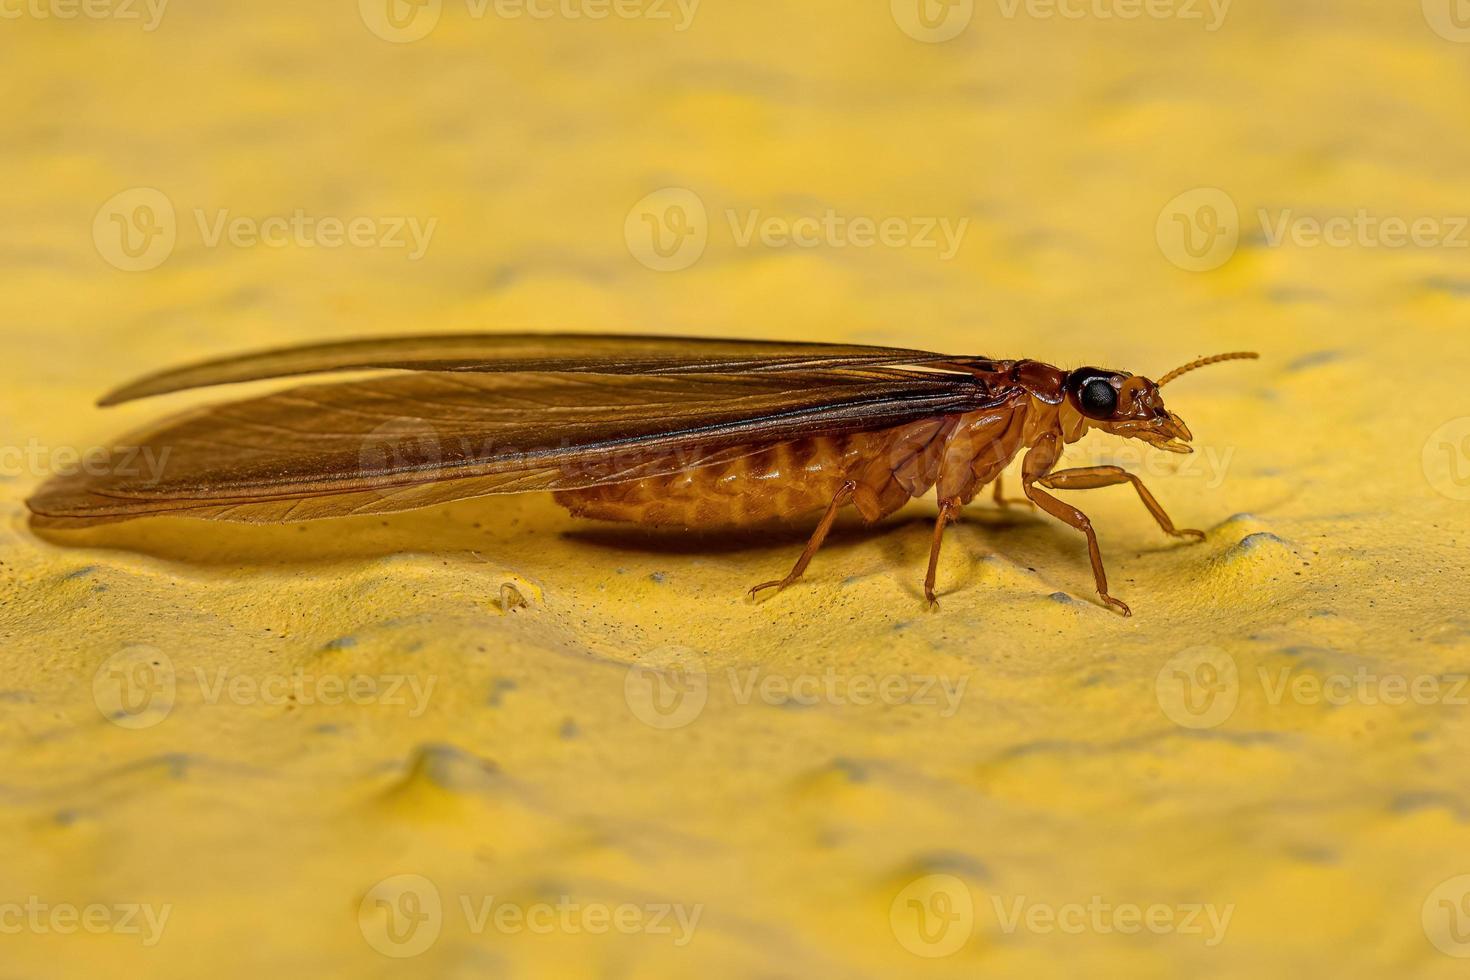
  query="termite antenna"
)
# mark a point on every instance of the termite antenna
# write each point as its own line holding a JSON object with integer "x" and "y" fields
{"x": 1240, "y": 355}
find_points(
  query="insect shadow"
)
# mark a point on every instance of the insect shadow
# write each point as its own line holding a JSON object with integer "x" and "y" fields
{"x": 1016, "y": 537}
{"x": 488, "y": 526}
{"x": 485, "y": 525}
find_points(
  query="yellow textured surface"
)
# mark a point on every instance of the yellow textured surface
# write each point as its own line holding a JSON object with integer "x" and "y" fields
{"x": 1133, "y": 768}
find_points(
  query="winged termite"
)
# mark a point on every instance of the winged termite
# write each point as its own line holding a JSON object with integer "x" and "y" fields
{"x": 670, "y": 431}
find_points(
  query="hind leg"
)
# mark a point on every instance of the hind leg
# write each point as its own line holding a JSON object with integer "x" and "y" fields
{"x": 842, "y": 497}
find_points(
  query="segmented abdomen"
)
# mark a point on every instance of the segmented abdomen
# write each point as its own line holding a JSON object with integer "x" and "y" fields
{"x": 781, "y": 482}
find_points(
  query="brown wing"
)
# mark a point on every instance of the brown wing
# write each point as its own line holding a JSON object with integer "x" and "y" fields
{"x": 577, "y": 353}
{"x": 400, "y": 441}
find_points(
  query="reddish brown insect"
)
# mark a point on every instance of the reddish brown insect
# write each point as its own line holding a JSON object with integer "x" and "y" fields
{"x": 656, "y": 430}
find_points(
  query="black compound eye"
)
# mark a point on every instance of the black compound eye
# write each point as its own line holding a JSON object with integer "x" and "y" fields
{"x": 1098, "y": 398}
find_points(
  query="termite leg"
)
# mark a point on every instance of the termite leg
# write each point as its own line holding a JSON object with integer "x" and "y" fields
{"x": 1001, "y": 500}
{"x": 1033, "y": 470}
{"x": 843, "y": 495}
{"x": 1091, "y": 477}
{"x": 948, "y": 510}
{"x": 1070, "y": 515}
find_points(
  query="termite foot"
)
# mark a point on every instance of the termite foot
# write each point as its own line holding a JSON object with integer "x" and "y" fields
{"x": 778, "y": 585}
{"x": 1117, "y": 604}
{"x": 1191, "y": 534}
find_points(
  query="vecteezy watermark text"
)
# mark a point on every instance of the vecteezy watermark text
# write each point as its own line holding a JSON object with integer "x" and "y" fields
{"x": 146, "y": 13}
{"x": 406, "y": 21}
{"x": 1102, "y": 916}
{"x": 138, "y": 229}
{"x": 311, "y": 231}
{"x": 935, "y": 915}
{"x": 1209, "y": 464}
{"x": 1210, "y": 13}
{"x": 403, "y": 916}
{"x": 1201, "y": 686}
{"x": 1201, "y": 229}
{"x": 138, "y": 687}
{"x": 937, "y": 21}
{"x": 672, "y": 691}
{"x": 668, "y": 230}
{"x": 829, "y": 229}
{"x": 1363, "y": 229}
{"x": 35, "y": 915}
{"x": 38, "y": 459}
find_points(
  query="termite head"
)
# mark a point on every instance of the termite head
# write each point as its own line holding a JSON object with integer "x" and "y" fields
{"x": 1130, "y": 405}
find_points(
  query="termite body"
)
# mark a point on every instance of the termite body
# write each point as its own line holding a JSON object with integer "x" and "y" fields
{"x": 878, "y": 472}
{"x": 665, "y": 431}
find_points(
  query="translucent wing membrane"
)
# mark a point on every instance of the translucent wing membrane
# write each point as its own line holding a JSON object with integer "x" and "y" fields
{"x": 400, "y": 441}
{"x": 559, "y": 353}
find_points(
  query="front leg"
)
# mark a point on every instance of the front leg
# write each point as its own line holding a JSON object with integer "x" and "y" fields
{"x": 1041, "y": 458}
{"x": 1092, "y": 477}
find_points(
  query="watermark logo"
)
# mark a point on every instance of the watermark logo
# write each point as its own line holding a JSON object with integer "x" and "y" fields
{"x": 1450, "y": 19}
{"x": 667, "y": 230}
{"x": 1208, "y": 464}
{"x": 401, "y": 916}
{"x": 136, "y": 230}
{"x": 1446, "y": 459}
{"x": 404, "y": 444}
{"x": 1446, "y": 917}
{"x": 1199, "y": 230}
{"x": 135, "y": 688}
{"x": 933, "y": 916}
{"x": 669, "y": 695}
{"x": 1198, "y": 688}
{"x": 932, "y": 21}
{"x": 401, "y": 21}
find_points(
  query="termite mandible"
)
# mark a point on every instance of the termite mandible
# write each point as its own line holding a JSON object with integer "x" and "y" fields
{"x": 670, "y": 431}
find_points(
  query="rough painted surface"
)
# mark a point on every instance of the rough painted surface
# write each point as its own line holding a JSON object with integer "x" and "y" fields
{"x": 1277, "y": 735}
